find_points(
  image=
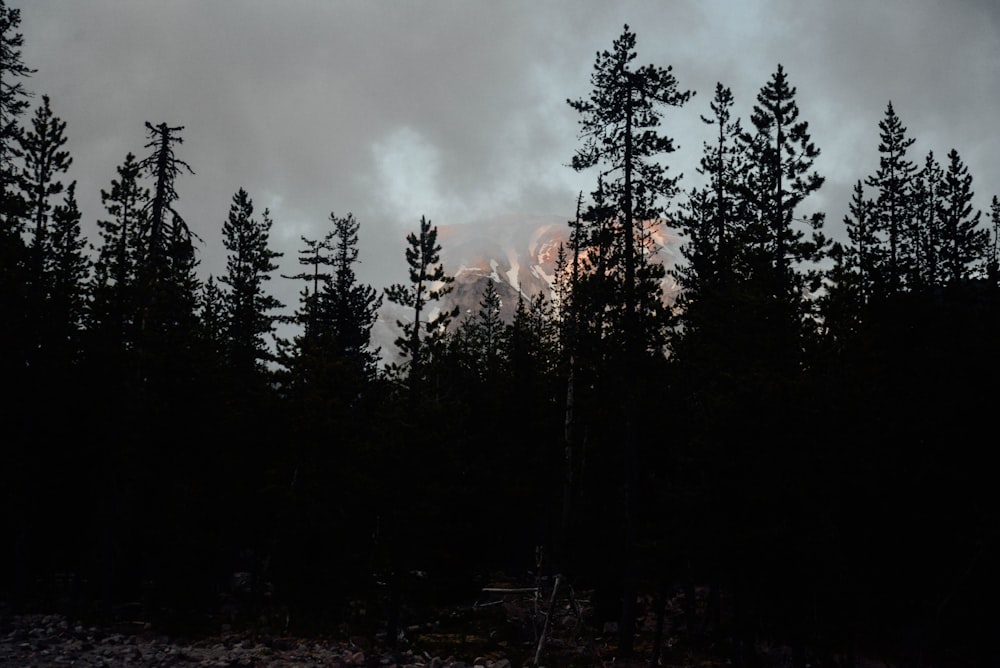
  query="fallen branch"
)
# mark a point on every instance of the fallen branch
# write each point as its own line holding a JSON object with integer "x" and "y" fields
{"x": 548, "y": 616}
{"x": 512, "y": 590}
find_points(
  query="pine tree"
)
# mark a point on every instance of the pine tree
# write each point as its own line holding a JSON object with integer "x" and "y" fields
{"x": 248, "y": 266}
{"x": 892, "y": 206}
{"x": 68, "y": 273}
{"x": 715, "y": 240}
{"x": 44, "y": 161}
{"x": 782, "y": 155}
{"x": 526, "y": 338}
{"x": 864, "y": 257}
{"x": 486, "y": 334}
{"x": 619, "y": 125}
{"x": 351, "y": 308}
{"x": 163, "y": 166}
{"x": 423, "y": 335}
{"x": 212, "y": 316}
{"x": 332, "y": 353}
{"x": 993, "y": 267}
{"x": 13, "y": 102}
{"x": 318, "y": 255}
{"x": 713, "y": 232}
{"x": 785, "y": 154}
{"x": 113, "y": 306}
{"x": 964, "y": 242}
{"x": 15, "y": 333}
{"x": 166, "y": 284}
{"x": 927, "y": 222}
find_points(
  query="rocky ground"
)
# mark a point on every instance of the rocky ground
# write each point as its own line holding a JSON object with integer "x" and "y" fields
{"x": 53, "y": 640}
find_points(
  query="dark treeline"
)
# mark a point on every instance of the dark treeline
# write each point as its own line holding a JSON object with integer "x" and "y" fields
{"x": 804, "y": 431}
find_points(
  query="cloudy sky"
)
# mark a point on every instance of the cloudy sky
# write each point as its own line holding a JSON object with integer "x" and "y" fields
{"x": 394, "y": 109}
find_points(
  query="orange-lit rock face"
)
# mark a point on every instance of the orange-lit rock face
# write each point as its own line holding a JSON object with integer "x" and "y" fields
{"x": 519, "y": 253}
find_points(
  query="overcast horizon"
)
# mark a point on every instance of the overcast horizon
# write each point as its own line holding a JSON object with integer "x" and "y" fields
{"x": 457, "y": 110}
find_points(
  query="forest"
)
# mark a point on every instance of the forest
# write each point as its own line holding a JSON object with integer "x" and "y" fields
{"x": 803, "y": 433}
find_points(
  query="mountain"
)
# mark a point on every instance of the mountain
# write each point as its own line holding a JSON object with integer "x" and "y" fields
{"x": 517, "y": 252}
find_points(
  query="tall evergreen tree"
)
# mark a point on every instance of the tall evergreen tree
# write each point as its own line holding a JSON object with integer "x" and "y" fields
{"x": 318, "y": 255}
{"x": 531, "y": 340}
{"x": 993, "y": 266}
{"x": 487, "y": 333}
{"x": 714, "y": 233}
{"x": 963, "y": 244}
{"x": 163, "y": 166}
{"x": 113, "y": 300}
{"x": 893, "y": 203}
{"x": 782, "y": 152}
{"x": 13, "y": 102}
{"x": 351, "y": 307}
{"x": 166, "y": 285}
{"x": 927, "y": 221}
{"x": 248, "y": 266}
{"x": 45, "y": 160}
{"x": 865, "y": 252}
{"x": 212, "y": 316}
{"x": 68, "y": 273}
{"x": 14, "y": 334}
{"x": 619, "y": 128}
{"x": 424, "y": 333}
{"x": 336, "y": 313}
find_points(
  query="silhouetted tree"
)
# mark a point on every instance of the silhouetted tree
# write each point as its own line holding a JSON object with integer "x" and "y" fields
{"x": 68, "y": 273}
{"x": 350, "y": 308}
{"x": 14, "y": 335}
{"x": 865, "y": 255}
{"x": 892, "y": 207}
{"x": 489, "y": 332}
{"x": 927, "y": 222}
{"x": 166, "y": 285}
{"x": 713, "y": 226}
{"x": 424, "y": 334}
{"x": 44, "y": 161}
{"x": 963, "y": 242}
{"x": 993, "y": 267}
{"x": 163, "y": 166}
{"x": 781, "y": 153}
{"x": 249, "y": 317}
{"x": 318, "y": 255}
{"x": 113, "y": 305}
{"x": 213, "y": 317}
{"x": 13, "y": 102}
{"x": 619, "y": 128}
{"x": 336, "y": 314}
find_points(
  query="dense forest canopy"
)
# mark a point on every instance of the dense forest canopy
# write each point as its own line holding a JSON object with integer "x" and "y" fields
{"x": 800, "y": 431}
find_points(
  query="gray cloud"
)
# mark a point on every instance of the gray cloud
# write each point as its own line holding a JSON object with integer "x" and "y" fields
{"x": 456, "y": 109}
